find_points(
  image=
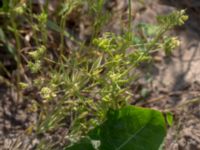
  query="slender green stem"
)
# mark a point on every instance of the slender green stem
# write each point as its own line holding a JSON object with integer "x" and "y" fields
{"x": 63, "y": 24}
{"x": 5, "y": 70}
{"x": 31, "y": 22}
{"x": 18, "y": 47}
{"x": 44, "y": 29}
{"x": 129, "y": 15}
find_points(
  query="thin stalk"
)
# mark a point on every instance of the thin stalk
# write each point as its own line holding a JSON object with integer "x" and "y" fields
{"x": 18, "y": 59}
{"x": 44, "y": 29}
{"x": 31, "y": 22}
{"x": 129, "y": 15}
{"x": 4, "y": 69}
{"x": 62, "y": 35}
{"x": 189, "y": 102}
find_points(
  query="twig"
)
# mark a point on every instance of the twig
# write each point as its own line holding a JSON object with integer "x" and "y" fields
{"x": 188, "y": 102}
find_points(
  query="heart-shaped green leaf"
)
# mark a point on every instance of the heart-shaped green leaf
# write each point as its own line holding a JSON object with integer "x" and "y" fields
{"x": 130, "y": 128}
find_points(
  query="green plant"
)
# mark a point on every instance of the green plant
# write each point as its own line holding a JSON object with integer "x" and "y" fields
{"x": 129, "y": 128}
{"x": 89, "y": 86}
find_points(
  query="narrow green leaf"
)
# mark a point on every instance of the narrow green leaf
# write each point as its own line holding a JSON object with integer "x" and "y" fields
{"x": 55, "y": 27}
{"x": 2, "y": 36}
{"x": 169, "y": 118}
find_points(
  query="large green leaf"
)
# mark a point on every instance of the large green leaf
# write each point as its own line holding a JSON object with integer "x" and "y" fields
{"x": 83, "y": 144}
{"x": 130, "y": 128}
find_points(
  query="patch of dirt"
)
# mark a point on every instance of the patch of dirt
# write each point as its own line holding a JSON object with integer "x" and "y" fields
{"x": 176, "y": 79}
{"x": 14, "y": 120}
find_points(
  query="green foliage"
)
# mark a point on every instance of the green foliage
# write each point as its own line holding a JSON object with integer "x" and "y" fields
{"x": 129, "y": 128}
{"x": 169, "y": 118}
{"x": 173, "y": 19}
{"x": 88, "y": 83}
{"x": 169, "y": 44}
{"x": 84, "y": 143}
{"x": 5, "y": 41}
{"x": 148, "y": 29}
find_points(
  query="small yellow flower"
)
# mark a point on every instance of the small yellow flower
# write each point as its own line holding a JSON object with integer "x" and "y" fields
{"x": 170, "y": 44}
{"x": 34, "y": 67}
{"x": 38, "y": 54}
{"x": 23, "y": 85}
{"x": 175, "y": 42}
{"x": 47, "y": 93}
{"x": 20, "y": 9}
